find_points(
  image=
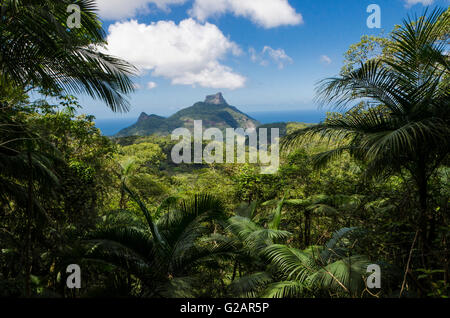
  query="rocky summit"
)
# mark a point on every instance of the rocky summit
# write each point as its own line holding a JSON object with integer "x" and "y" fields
{"x": 216, "y": 99}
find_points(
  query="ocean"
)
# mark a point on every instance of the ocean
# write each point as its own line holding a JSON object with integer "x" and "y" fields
{"x": 310, "y": 116}
{"x": 110, "y": 127}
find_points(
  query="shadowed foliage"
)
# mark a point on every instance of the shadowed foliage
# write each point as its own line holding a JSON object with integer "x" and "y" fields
{"x": 164, "y": 256}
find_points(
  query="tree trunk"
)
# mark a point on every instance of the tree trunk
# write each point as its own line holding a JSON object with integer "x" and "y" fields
{"x": 236, "y": 264}
{"x": 422, "y": 184}
{"x": 28, "y": 262}
{"x": 122, "y": 199}
{"x": 307, "y": 228}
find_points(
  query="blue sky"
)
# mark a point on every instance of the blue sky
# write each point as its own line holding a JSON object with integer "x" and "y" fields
{"x": 264, "y": 55}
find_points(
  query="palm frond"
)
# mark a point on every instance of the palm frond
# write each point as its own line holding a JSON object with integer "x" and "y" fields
{"x": 293, "y": 263}
{"x": 250, "y": 285}
{"x": 286, "y": 289}
{"x": 344, "y": 275}
{"x": 38, "y": 50}
{"x": 332, "y": 249}
{"x": 276, "y": 219}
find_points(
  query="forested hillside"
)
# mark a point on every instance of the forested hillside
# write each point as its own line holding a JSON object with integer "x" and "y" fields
{"x": 213, "y": 112}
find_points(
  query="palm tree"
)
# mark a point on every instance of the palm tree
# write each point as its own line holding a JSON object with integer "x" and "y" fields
{"x": 39, "y": 51}
{"x": 318, "y": 206}
{"x": 251, "y": 238}
{"x": 331, "y": 268}
{"x": 315, "y": 271}
{"x": 164, "y": 256}
{"x": 126, "y": 170}
{"x": 277, "y": 270}
{"x": 402, "y": 120}
{"x": 246, "y": 241}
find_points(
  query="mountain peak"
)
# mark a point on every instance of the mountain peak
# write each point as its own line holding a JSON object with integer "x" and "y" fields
{"x": 143, "y": 116}
{"x": 215, "y": 112}
{"x": 216, "y": 99}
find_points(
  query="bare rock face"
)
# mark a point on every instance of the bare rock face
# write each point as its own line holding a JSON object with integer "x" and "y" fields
{"x": 216, "y": 99}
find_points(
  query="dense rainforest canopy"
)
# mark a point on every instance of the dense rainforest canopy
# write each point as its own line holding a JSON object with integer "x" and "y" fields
{"x": 368, "y": 186}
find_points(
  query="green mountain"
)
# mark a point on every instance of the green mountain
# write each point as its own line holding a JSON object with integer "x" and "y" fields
{"x": 214, "y": 112}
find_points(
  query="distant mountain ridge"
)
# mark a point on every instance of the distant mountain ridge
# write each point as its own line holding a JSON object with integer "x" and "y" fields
{"x": 214, "y": 112}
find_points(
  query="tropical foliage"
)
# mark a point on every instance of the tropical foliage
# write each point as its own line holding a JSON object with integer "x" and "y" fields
{"x": 402, "y": 124}
{"x": 368, "y": 186}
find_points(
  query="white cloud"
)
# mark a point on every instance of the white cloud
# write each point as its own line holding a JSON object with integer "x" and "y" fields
{"x": 266, "y": 13}
{"x": 151, "y": 85}
{"x": 119, "y": 9}
{"x": 324, "y": 59}
{"x": 188, "y": 53}
{"x": 278, "y": 56}
{"x": 410, "y": 3}
{"x": 253, "y": 55}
